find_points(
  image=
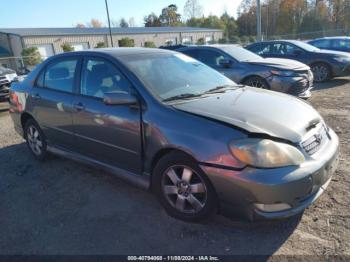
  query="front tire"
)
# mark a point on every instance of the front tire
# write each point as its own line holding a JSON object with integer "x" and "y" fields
{"x": 256, "y": 81}
{"x": 35, "y": 139}
{"x": 321, "y": 71}
{"x": 183, "y": 189}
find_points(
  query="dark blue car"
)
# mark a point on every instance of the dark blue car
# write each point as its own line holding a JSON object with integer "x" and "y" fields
{"x": 340, "y": 43}
{"x": 325, "y": 64}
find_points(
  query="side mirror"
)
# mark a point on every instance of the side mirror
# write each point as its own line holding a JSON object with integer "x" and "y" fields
{"x": 119, "y": 98}
{"x": 226, "y": 63}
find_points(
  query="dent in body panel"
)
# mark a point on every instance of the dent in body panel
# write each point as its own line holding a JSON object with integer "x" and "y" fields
{"x": 206, "y": 141}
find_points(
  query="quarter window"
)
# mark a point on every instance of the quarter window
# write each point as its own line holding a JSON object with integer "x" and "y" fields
{"x": 60, "y": 75}
{"x": 100, "y": 77}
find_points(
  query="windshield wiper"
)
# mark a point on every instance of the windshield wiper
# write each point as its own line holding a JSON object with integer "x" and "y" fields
{"x": 181, "y": 96}
{"x": 220, "y": 89}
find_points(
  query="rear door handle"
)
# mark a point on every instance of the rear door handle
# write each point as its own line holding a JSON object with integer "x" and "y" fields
{"x": 79, "y": 106}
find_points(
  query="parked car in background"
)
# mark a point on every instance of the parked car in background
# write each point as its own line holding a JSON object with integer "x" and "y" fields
{"x": 7, "y": 76}
{"x": 165, "y": 121}
{"x": 247, "y": 68}
{"x": 336, "y": 43}
{"x": 324, "y": 64}
{"x": 172, "y": 47}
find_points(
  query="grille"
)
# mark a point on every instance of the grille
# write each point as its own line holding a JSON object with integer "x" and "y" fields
{"x": 315, "y": 142}
{"x": 4, "y": 80}
{"x": 302, "y": 85}
{"x": 299, "y": 87}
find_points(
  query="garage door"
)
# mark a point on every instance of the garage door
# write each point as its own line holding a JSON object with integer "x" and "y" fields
{"x": 45, "y": 50}
{"x": 80, "y": 46}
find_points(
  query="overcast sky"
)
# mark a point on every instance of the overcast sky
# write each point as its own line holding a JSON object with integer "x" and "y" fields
{"x": 67, "y": 13}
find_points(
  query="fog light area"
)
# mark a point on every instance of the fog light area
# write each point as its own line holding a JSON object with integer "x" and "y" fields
{"x": 272, "y": 207}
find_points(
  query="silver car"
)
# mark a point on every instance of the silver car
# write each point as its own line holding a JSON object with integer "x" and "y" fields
{"x": 167, "y": 122}
{"x": 245, "y": 67}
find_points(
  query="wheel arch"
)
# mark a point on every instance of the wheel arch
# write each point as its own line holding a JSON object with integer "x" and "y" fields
{"x": 25, "y": 117}
{"x": 254, "y": 75}
{"x": 323, "y": 62}
{"x": 160, "y": 154}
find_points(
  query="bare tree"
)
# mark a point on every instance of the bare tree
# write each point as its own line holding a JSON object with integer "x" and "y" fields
{"x": 131, "y": 22}
{"x": 123, "y": 23}
{"x": 95, "y": 23}
{"x": 115, "y": 23}
{"x": 193, "y": 9}
{"x": 80, "y": 25}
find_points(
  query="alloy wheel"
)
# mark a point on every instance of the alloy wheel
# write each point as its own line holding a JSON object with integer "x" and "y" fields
{"x": 255, "y": 83}
{"x": 34, "y": 140}
{"x": 184, "y": 189}
{"x": 320, "y": 72}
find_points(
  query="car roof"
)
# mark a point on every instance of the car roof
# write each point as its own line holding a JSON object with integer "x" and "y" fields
{"x": 331, "y": 37}
{"x": 217, "y": 46}
{"x": 119, "y": 51}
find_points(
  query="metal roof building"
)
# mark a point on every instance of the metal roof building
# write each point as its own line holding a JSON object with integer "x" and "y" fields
{"x": 49, "y": 41}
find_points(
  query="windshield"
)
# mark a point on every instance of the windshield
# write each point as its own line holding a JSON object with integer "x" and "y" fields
{"x": 305, "y": 46}
{"x": 174, "y": 75}
{"x": 240, "y": 53}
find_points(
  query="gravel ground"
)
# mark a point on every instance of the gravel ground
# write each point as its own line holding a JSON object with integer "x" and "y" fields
{"x": 61, "y": 207}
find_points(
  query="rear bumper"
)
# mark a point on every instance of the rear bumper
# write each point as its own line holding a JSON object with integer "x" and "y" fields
{"x": 295, "y": 187}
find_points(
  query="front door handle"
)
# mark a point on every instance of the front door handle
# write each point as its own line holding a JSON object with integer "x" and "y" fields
{"x": 79, "y": 107}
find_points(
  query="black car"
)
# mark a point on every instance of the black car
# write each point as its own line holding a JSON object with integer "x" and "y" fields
{"x": 325, "y": 64}
{"x": 172, "y": 47}
{"x": 332, "y": 43}
{"x": 6, "y": 77}
{"x": 244, "y": 67}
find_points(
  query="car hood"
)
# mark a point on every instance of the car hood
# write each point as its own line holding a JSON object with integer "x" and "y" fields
{"x": 6, "y": 71}
{"x": 257, "y": 111}
{"x": 280, "y": 63}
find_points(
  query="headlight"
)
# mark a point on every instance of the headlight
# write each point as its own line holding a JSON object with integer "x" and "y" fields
{"x": 342, "y": 59}
{"x": 266, "y": 153}
{"x": 283, "y": 73}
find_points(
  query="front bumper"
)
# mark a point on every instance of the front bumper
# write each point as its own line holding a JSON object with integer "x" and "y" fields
{"x": 4, "y": 92}
{"x": 298, "y": 186}
{"x": 298, "y": 86}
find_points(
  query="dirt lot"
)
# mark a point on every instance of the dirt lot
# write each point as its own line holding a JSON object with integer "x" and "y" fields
{"x": 61, "y": 207}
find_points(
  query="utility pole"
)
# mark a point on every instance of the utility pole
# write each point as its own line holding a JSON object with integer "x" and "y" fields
{"x": 109, "y": 23}
{"x": 258, "y": 21}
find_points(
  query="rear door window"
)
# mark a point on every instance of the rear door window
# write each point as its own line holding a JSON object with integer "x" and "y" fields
{"x": 261, "y": 49}
{"x": 210, "y": 57}
{"x": 323, "y": 44}
{"x": 60, "y": 75}
{"x": 284, "y": 49}
{"x": 191, "y": 52}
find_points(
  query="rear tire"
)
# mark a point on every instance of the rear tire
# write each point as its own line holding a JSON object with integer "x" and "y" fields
{"x": 321, "y": 71}
{"x": 183, "y": 189}
{"x": 35, "y": 139}
{"x": 256, "y": 81}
